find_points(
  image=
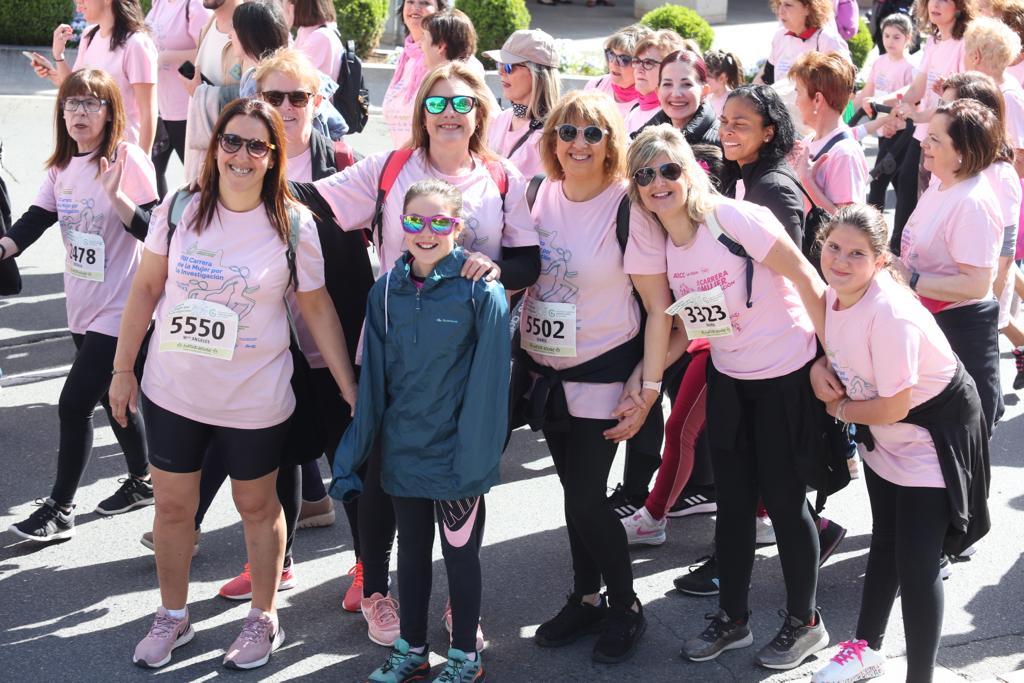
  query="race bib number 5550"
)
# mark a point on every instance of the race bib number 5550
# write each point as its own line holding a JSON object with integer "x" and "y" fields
{"x": 203, "y": 328}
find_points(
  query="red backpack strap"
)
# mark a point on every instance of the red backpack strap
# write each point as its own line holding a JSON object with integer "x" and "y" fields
{"x": 343, "y": 156}
{"x": 388, "y": 175}
{"x": 500, "y": 177}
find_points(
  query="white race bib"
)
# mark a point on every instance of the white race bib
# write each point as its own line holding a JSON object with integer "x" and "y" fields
{"x": 704, "y": 314}
{"x": 203, "y": 328}
{"x": 548, "y": 328}
{"x": 86, "y": 256}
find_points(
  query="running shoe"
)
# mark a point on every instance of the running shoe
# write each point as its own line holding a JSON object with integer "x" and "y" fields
{"x": 721, "y": 634}
{"x": 765, "y": 530}
{"x": 381, "y": 613}
{"x": 966, "y": 555}
{"x": 622, "y": 631}
{"x": 855, "y": 661}
{"x": 576, "y": 619}
{"x": 133, "y": 493}
{"x": 830, "y": 535}
{"x": 694, "y": 504}
{"x": 354, "y": 595}
{"x": 795, "y": 642}
{"x": 260, "y": 636}
{"x": 945, "y": 567}
{"x": 446, "y": 618}
{"x": 853, "y": 465}
{"x": 316, "y": 513}
{"x": 166, "y": 634}
{"x": 701, "y": 579}
{"x": 461, "y": 669}
{"x": 1018, "y": 359}
{"x": 147, "y": 540}
{"x": 240, "y": 587}
{"x": 402, "y": 664}
{"x": 624, "y": 505}
{"x": 643, "y": 529}
{"x": 47, "y": 524}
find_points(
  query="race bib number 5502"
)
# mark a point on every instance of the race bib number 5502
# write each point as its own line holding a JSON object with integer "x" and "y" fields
{"x": 549, "y": 328}
{"x": 203, "y": 328}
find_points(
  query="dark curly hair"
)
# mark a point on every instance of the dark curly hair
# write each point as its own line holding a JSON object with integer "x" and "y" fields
{"x": 774, "y": 114}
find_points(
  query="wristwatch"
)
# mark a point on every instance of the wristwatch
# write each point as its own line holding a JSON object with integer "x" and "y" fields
{"x": 653, "y": 386}
{"x": 914, "y": 277}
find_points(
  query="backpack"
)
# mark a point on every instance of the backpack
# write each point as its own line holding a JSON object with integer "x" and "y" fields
{"x": 351, "y": 98}
{"x": 534, "y": 125}
{"x": 389, "y": 174}
{"x": 180, "y": 201}
{"x": 621, "y": 215}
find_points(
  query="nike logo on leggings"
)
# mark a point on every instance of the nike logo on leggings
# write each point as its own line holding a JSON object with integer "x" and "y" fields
{"x": 459, "y": 517}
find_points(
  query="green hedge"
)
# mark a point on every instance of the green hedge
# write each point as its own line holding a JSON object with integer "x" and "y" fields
{"x": 363, "y": 22}
{"x": 31, "y": 22}
{"x": 683, "y": 21}
{"x": 860, "y": 44}
{"x": 495, "y": 20}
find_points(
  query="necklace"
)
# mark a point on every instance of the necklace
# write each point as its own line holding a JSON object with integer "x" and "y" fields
{"x": 519, "y": 110}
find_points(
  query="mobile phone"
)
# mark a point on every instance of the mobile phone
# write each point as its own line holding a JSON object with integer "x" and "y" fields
{"x": 188, "y": 70}
{"x": 34, "y": 58}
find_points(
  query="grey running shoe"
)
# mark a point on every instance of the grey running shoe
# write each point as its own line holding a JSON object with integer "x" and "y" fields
{"x": 794, "y": 643}
{"x": 134, "y": 493}
{"x": 47, "y": 524}
{"x": 720, "y": 635}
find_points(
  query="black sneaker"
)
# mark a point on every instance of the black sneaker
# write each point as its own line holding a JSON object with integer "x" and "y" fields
{"x": 694, "y": 504}
{"x": 47, "y": 524}
{"x": 1018, "y": 359}
{"x": 794, "y": 643}
{"x": 574, "y": 621}
{"x": 720, "y": 635}
{"x": 830, "y": 535}
{"x": 702, "y": 579}
{"x": 623, "y": 504}
{"x": 134, "y": 493}
{"x": 622, "y": 631}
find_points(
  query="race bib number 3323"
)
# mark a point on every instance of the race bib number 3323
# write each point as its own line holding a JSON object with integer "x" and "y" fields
{"x": 202, "y": 328}
{"x": 704, "y": 314}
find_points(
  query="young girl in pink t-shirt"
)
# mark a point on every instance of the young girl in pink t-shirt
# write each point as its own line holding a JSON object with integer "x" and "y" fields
{"x": 725, "y": 74}
{"x": 102, "y": 253}
{"x": 888, "y": 368}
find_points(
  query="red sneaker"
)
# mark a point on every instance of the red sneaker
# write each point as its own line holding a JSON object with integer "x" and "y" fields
{"x": 240, "y": 587}
{"x": 353, "y": 599}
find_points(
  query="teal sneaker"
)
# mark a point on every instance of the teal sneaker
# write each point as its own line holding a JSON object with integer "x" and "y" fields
{"x": 402, "y": 665}
{"x": 460, "y": 670}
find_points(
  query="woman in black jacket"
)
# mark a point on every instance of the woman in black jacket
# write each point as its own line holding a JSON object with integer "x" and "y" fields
{"x": 682, "y": 89}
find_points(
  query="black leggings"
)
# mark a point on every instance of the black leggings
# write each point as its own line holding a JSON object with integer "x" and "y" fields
{"x": 758, "y": 464}
{"x": 897, "y": 147}
{"x": 162, "y": 157}
{"x": 597, "y": 539}
{"x": 86, "y": 385}
{"x": 907, "y": 530}
{"x": 376, "y": 523}
{"x": 906, "y": 192}
{"x": 461, "y": 525}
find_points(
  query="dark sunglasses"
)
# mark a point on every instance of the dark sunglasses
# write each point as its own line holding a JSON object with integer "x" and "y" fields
{"x": 622, "y": 60}
{"x": 257, "y": 149}
{"x": 436, "y": 104}
{"x": 413, "y": 223}
{"x": 646, "y": 64}
{"x": 591, "y": 134}
{"x": 275, "y": 98}
{"x": 508, "y": 68}
{"x": 645, "y": 176}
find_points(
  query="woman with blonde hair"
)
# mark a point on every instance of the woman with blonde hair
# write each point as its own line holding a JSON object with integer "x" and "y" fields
{"x": 739, "y": 281}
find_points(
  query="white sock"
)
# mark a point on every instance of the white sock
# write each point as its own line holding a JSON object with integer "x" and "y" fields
{"x": 418, "y": 650}
{"x": 471, "y": 656}
{"x": 178, "y": 614}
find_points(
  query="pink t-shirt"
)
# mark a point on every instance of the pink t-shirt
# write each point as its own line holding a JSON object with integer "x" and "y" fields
{"x": 581, "y": 264}
{"x": 1004, "y": 180}
{"x": 889, "y": 75}
{"x": 399, "y": 98}
{"x": 132, "y": 63}
{"x": 1013, "y": 98}
{"x": 352, "y": 195}
{"x": 882, "y": 345}
{"x": 604, "y": 84}
{"x": 717, "y": 102}
{"x": 961, "y": 224}
{"x": 941, "y": 58}
{"x": 323, "y": 47}
{"x": 1017, "y": 71}
{"x": 787, "y": 48}
{"x": 843, "y": 175}
{"x": 638, "y": 117}
{"x": 773, "y": 337}
{"x": 96, "y": 295}
{"x": 171, "y": 31}
{"x": 238, "y": 261}
{"x": 501, "y": 138}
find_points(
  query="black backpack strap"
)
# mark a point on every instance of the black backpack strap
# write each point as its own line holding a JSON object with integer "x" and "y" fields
{"x": 534, "y": 125}
{"x": 532, "y": 188}
{"x": 177, "y": 208}
{"x": 836, "y": 139}
{"x": 788, "y": 174}
{"x": 622, "y": 222}
{"x": 735, "y": 248}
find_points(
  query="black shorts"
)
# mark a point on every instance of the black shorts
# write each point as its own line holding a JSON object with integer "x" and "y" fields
{"x": 178, "y": 444}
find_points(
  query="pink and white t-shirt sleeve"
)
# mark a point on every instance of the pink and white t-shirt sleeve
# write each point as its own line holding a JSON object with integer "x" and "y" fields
{"x": 519, "y": 229}
{"x": 309, "y": 256}
{"x": 941, "y": 59}
{"x": 645, "y": 250}
{"x": 352, "y": 192}
{"x": 1013, "y": 98}
{"x": 322, "y": 46}
{"x": 843, "y": 174}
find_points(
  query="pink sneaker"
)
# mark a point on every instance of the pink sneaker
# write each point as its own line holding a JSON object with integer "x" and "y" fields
{"x": 381, "y": 612}
{"x": 240, "y": 587}
{"x": 354, "y": 595}
{"x": 166, "y": 634}
{"x": 260, "y": 636}
{"x": 447, "y": 618}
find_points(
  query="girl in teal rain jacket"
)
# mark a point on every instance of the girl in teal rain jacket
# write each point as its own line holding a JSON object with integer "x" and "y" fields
{"x": 433, "y": 395}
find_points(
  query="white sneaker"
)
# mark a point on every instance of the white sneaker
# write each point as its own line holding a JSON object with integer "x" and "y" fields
{"x": 853, "y": 464}
{"x": 765, "y": 531}
{"x": 642, "y": 528}
{"x": 855, "y": 661}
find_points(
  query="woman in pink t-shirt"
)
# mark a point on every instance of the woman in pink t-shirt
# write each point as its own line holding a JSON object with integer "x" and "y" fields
{"x": 317, "y": 35}
{"x": 102, "y": 255}
{"x": 807, "y": 26}
{"x": 620, "y": 81}
{"x": 759, "y": 311}
{"x": 528, "y": 66}
{"x": 399, "y": 99}
{"x": 218, "y": 366}
{"x": 950, "y": 246}
{"x": 646, "y": 65}
{"x": 120, "y": 44}
{"x": 889, "y": 370}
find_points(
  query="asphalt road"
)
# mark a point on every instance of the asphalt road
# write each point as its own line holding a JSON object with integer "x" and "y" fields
{"x": 75, "y": 610}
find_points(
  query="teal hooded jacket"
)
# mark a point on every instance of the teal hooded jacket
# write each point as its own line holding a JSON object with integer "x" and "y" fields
{"x": 433, "y": 387}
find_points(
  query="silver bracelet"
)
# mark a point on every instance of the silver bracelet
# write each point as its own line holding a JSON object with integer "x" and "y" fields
{"x": 839, "y": 410}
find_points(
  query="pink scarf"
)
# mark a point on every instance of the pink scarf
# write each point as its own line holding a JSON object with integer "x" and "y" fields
{"x": 624, "y": 94}
{"x": 649, "y": 101}
{"x": 411, "y": 59}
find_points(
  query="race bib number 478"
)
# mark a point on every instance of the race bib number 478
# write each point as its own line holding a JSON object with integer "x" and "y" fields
{"x": 86, "y": 256}
{"x": 202, "y": 328}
